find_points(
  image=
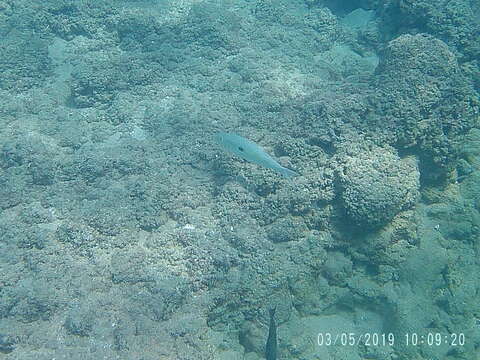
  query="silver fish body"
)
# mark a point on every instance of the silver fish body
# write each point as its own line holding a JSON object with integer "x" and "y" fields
{"x": 251, "y": 152}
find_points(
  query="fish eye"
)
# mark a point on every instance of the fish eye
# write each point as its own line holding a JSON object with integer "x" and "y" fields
{"x": 240, "y": 148}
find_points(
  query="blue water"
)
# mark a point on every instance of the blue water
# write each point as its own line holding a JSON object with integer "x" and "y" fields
{"x": 127, "y": 232}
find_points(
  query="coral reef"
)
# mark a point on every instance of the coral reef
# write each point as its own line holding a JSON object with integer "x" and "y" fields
{"x": 126, "y": 233}
{"x": 424, "y": 101}
{"x": 377, "y": 185}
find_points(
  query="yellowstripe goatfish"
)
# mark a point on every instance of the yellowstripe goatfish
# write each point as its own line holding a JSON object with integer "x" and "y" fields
{"x": 251, "y": 152}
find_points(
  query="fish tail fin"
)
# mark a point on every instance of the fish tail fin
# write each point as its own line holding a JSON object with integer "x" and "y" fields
{"x": 287, "y": 172}
{"x": 272, "y": 311}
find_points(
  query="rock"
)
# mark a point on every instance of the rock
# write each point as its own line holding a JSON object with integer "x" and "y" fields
{"x": 80, "y": 321}
{"x": 424, "y": 100}
{"x": 7, "y": 343}
{"x": 377, "y": 185}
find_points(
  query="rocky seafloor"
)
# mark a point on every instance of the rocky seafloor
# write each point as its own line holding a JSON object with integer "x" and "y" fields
{"x": 127, "y": 233}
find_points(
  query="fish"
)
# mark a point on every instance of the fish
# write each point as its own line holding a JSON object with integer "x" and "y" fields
{"x": 251, "y": 152}
{"x": 271, "y": 346}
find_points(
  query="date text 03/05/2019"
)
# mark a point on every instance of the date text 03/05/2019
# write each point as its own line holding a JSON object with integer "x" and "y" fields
{"x": 389, "y": 339}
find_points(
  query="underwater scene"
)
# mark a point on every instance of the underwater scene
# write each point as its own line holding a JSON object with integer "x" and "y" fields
{"x": 240, "y": 180}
